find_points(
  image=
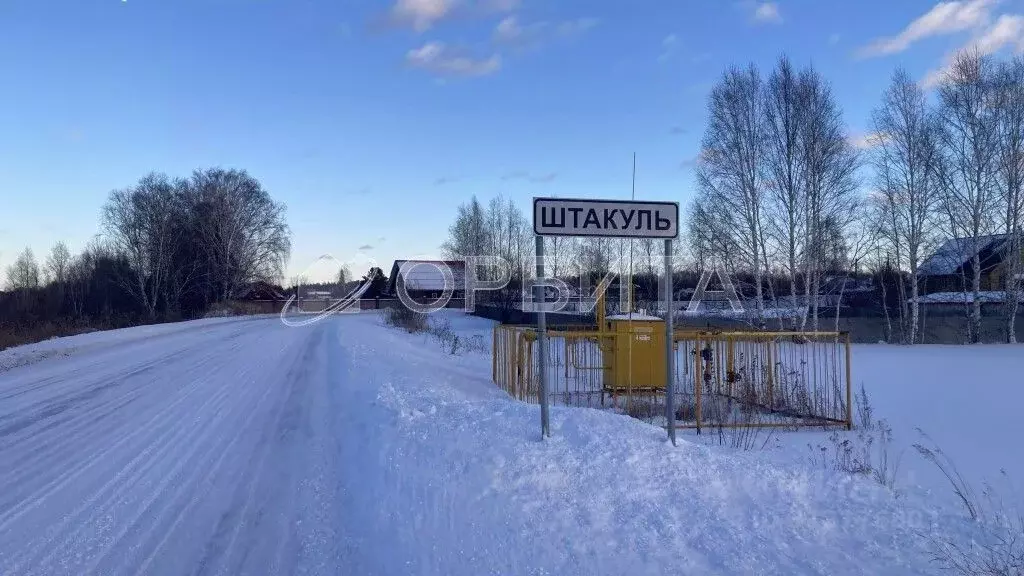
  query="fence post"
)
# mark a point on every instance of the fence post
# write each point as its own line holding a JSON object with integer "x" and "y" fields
{"x": 698, "y": 379}
{"x": 849, "y": 387}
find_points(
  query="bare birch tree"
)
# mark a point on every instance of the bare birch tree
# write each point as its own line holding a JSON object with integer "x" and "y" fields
{"x": 509, "y": 236}
{"x": 1010, "y": 98}
{"x": 23, "y": 274}
{"x": 710, "y": 244}
{"x": 729, "y": 174}
{"x": 830, "y": 179}
{"x": 903, "y": 158}
{"x": 469, "y": 234}
{"x": 967, "y": 171}
{"x": 57, "y": 263}
{"x": 784, "y": 168}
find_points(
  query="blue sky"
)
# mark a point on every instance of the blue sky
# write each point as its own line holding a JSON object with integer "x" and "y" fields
{"x": 373, "y": 120}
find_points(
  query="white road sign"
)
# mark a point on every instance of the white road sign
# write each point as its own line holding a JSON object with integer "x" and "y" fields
{"x": 611, "y": 218}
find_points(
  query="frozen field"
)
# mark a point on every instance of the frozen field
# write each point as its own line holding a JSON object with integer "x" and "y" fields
{"x": 243, "y": 446}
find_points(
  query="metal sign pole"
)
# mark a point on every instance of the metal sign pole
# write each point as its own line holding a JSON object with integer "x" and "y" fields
{"x": 670, "y": 409}
{"x": 542, "y": 339}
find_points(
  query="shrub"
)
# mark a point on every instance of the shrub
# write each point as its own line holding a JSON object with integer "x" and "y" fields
{"x": 409, "y": 320}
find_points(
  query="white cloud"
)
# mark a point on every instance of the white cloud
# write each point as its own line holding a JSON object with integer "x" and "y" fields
{"x": 577, "y": 26}
{"x": 438, "y": 58}
{"x": 767, "y": 12}
{"x": 508, "y": 30}
{"x": 943, "y": 18}
{"x": 834, "y": 39}
{"x": 668, "y": 46}
{"x": 511, "y": 30}
{"x": 421, "y": 14}
{"x": 1008, "y": 30}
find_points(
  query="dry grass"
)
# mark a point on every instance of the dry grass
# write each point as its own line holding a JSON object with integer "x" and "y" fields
{"x": 867, "y": 452}
{"x": 11, "y": 336}
{"x": 686, "y": 410}
{"x": 644, "y": 409}
{"x": 998, "y": 549}
{"x": 236, "y": 308}
{"x": 453, "y": 343}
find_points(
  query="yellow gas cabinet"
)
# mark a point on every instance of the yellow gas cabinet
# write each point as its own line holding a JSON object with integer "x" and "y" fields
{"x": 635, "y": 355}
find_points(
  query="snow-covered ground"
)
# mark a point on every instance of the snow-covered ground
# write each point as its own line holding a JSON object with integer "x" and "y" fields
{"x": 968, "y": 399}
{"x": 243, "y": 446}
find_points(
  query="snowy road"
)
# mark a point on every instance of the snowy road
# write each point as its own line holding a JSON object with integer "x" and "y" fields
{"x": 243, "y": 446}
{"x": 207, "y": 450}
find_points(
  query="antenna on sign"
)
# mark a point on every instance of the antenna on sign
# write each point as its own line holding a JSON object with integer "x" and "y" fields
{"x": 629, "y": 301}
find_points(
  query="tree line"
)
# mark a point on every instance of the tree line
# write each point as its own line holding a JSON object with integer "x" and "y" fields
{"x": 783, "y": 192}
{"x": 790, "y": 205}
{"x": 169, "y": 248}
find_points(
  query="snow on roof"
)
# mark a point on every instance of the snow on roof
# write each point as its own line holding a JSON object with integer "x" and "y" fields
{"x": 430, "y": 275}
{"x": 633, "y": 316}
{"x": 954, "y": 252}
{"x": 988, "y": 296}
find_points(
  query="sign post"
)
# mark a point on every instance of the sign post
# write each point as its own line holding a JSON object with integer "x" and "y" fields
{"x": 542, "y": 339}
{"x": 670, "y": 348}
{"x": 608, "y": 219}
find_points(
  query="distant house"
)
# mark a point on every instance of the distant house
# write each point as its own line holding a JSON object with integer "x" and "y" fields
{"x": 426, "y": 279}
{"x": 948, "y": 273}
{"x": 259, "y": 291}
{"x": 951, "y": 265}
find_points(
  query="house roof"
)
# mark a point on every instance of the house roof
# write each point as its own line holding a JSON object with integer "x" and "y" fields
{"x": 259, "y": 291}
{"x": 956, "y": 251}
{"x": 427, "y": 275}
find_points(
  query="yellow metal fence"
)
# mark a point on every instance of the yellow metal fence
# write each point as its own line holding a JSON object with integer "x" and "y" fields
{"x": 721, "y": 379}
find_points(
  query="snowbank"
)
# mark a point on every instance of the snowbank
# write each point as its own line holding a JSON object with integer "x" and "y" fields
{"x": 455, "y": 480}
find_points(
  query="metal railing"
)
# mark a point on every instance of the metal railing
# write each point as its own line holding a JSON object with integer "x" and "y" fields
{"x": 729, "y": 379}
